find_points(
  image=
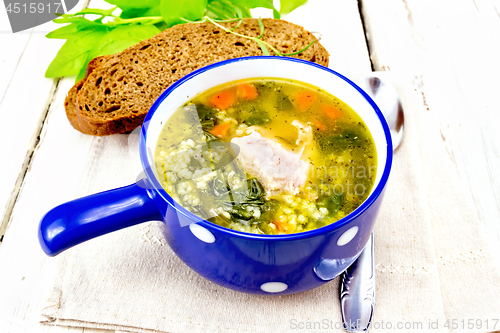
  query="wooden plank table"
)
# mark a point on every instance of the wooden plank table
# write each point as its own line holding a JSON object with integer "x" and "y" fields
{"x": 449, "y": 49}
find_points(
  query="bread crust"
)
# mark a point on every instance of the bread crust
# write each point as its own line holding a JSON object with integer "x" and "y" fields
{"x": 70, "y": 104}
{"x": 117, "y": 95}
{"x": 70, "y": 101}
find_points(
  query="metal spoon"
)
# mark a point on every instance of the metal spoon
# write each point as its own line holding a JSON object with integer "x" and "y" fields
{"x": 387, "y": 99}
{"x": 357, "y": 290}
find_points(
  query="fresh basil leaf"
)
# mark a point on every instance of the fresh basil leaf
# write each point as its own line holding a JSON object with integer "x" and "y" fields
{"x": 73, "y": 54}
{"x": 122, "y": 37}
{"x": 64, "y": 32}
{"x": 255, "y": 3}
{"x": 287, "y": 6}
{"x": 133, "y": 12}
{"x": 218, "y": 10}
{"x": 141, "y": 12}
{"x": 96, "y": 11}
{"x": 276, "y": 14}
{"x": 248, "y": 4}
{"x": 69, "y": 30}
{"x": 242, "y": 11}
{"x": 173, "y": 10}
{"x": 133, "y": 3}
{"x": 83, "y": 70}
{"x": 135, "y": 9}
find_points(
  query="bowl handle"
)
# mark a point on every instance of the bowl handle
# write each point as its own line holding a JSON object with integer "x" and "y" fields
{"x": 77, "y": 221}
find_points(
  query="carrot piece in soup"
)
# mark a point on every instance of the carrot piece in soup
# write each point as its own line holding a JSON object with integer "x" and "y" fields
{"x": 320, "y": 125}
{"x": 283, "y": 226}
{"x": 331, "y": 112}
{"x": 221, "y": 130}
{"x": 223, "y": 99}
{"x": 279, "y": 225}
{"x": 305, "y": 99}
{"x": 247, "y": 91}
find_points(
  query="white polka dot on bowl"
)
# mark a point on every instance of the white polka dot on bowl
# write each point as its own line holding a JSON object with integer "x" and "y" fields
{"x": 347, "y": 236}
{"x": 274, "y": 287}
{"x": 202, "y": 233}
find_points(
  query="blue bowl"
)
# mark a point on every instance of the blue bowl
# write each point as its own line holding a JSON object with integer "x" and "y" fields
{"x": 251, "y": 263}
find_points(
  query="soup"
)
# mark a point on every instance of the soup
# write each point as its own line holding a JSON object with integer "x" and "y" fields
{"x": 267, "y": 156}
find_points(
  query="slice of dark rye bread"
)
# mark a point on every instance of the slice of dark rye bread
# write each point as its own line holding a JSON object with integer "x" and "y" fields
{"x": 117, "y": 95}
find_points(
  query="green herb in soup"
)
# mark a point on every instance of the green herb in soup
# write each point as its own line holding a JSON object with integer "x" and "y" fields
{"x": 267, "y": 156}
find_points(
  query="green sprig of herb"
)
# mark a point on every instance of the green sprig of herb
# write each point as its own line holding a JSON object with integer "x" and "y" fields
{"x": 110, "y": 33}
{"x": 263, "y": 45}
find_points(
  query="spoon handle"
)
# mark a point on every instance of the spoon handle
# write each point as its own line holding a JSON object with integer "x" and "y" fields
{"x": 357, "y": 291}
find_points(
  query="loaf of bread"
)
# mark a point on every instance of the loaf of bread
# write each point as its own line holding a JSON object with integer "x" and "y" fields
{"x": 117, "y": 94}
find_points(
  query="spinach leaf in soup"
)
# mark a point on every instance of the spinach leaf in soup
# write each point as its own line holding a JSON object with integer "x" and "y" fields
{"x": 346, "y": 136}
{"x": 206, "y": 116}
{"x": 332, "y": 202}
{"x": 258, "y": 117}
{"x": 283, "y": 102}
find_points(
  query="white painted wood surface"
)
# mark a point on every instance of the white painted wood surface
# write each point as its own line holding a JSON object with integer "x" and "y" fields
{"x": 25, "y": 95}
{"x": 451, "y": 48}
{"x": 23, "y": 106}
